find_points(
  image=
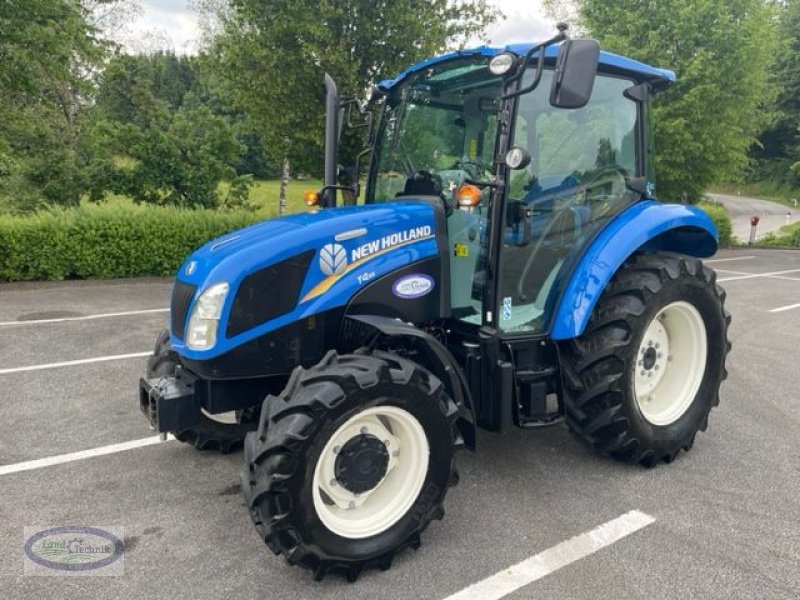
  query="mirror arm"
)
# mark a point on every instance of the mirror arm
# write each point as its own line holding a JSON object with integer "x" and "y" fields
{"x": 562, "y": 35}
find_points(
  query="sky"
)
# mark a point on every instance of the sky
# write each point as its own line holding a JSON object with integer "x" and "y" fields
{"x": 173, "y": 24}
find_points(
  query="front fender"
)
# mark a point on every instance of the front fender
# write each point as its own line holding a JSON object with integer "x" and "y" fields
{"x": 438, "y": 360}
{"x": 646, "y": 226}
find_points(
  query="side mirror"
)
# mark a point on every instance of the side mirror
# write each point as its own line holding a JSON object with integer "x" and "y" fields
{"x": 576, "y": 69}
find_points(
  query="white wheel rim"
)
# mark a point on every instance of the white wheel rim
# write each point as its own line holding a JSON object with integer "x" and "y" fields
{"x": 670, "y": 363}
{"x": 226, "y": 418}
{"x": 374, "y": 511}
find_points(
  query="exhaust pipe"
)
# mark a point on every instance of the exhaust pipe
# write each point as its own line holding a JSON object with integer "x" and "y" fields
{"x": 332, "y": 128}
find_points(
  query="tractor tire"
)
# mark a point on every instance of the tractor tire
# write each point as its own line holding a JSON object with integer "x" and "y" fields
{"x": 351, "y": 462}
{"x": 641, "y": 380}
{"x": 208, "y": 434}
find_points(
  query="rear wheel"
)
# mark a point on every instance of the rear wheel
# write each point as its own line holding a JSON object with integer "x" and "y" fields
{"x": 351, "y": 462}
{"x": 223, "y": 432}
{"x": 642, "y": 379}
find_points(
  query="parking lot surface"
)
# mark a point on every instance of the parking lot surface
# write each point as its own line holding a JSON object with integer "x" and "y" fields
{"x": 726, "y": 515}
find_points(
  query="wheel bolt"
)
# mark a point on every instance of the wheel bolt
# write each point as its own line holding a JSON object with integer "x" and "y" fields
{"x": 351, "y": 505}
{"x": 649, "y": 342}
{"x": 644, "y": 372}
{"x": 364, "y": 431}
{"x": 396, "y": 453}
{"x": 660, "y": 354}
{"x": 385, "y": 442}
{"x": 333, "y": 483}
{"x": 658, "y": 345}
{"x": 337, "y": 449}
{"x": 650, "y": 374}
{"x": 657, "y": 367}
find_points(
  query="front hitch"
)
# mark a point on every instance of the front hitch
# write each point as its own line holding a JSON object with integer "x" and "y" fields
{"x": 170, "y": 403}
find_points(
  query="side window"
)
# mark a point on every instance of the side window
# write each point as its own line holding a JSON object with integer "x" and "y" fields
{"x": 575, "y": 182}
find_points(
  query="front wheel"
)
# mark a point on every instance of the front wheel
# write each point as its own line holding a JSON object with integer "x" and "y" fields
{"x": 642, "y": 379}
{"x": 351, "y": 462}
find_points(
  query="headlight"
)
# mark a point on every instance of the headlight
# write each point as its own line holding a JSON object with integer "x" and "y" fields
{"x": 205, "y": 317}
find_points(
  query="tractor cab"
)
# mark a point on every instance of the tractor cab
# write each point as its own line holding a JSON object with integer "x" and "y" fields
{"x": 524, "y": 180}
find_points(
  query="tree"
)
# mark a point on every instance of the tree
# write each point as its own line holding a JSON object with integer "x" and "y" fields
{"x": 780, "y": 142}
{"x": 271, "y": 56}
{"x": 49, "y": 53}
{"x": 721, "y": 51}
{"x": 156, "y": 138}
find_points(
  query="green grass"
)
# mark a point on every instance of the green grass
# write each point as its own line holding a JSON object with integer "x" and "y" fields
{"x": 788, "y": 236}
{"x": 263, "y": 195}
{"x": 765, "y": 190}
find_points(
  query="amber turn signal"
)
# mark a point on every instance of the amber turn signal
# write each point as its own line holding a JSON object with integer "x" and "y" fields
{"x": 467, "y": 195}
{"x": 311, "y": 198}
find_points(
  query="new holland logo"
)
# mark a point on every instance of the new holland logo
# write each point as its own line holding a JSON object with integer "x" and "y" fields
{"x": 332, "y": 259}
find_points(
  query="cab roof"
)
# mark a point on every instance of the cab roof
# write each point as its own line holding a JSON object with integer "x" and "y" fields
{"x": 609, "y": 62}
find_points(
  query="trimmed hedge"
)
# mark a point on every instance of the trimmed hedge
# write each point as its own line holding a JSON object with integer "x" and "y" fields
{"x": 107, "y": 241}
{"x": 719, "y": 214}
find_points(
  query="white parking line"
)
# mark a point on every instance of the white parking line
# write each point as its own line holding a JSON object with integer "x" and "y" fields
{"x": 85, "y": 318}
{"x": 716, "y": 260}
{"x": 756, "y": 275}
{"x": 781, "y": 277}
{"x": 60, "y": 459}
{"x": 72, "y": 363}
{"x": 783, "y": 308}
{"x": 551, "y": 560}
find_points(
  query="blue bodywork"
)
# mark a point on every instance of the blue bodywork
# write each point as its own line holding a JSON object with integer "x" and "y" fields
{"x": 645, "y": 225}
{"x": 234, "y": 256}
{"x": 640, "y": 70}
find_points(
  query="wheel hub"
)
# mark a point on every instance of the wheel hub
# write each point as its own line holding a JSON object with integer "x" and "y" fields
{"x": 649, "y": 360}
{"x": 362, "y": 463}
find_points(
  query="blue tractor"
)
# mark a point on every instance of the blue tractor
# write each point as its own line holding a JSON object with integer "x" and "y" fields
{"x": 509, "y": 267}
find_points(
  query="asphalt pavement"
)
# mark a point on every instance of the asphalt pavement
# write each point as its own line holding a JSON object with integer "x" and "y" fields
{"x": 726, "y": 515}
{"x": 772, "y": 216}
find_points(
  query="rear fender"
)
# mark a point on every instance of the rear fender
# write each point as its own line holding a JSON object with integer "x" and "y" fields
{"x": 647, "y": 226}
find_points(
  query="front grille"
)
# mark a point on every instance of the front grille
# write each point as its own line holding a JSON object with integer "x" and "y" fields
{"x": 182, "y": 295}
{"x": 268, "y": 293}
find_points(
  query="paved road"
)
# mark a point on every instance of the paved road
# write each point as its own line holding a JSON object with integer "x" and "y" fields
{"x": 741, "y": 208}
{"x": 727, "y": 514}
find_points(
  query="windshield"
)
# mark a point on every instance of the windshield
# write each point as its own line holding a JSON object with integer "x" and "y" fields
{"x": 438, "y": 130}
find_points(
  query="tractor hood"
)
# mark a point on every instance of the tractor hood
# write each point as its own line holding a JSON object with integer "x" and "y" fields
{"x": 293, "y": 267}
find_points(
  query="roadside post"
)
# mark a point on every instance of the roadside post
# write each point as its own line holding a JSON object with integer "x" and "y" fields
{"x": 753, "y": 224}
